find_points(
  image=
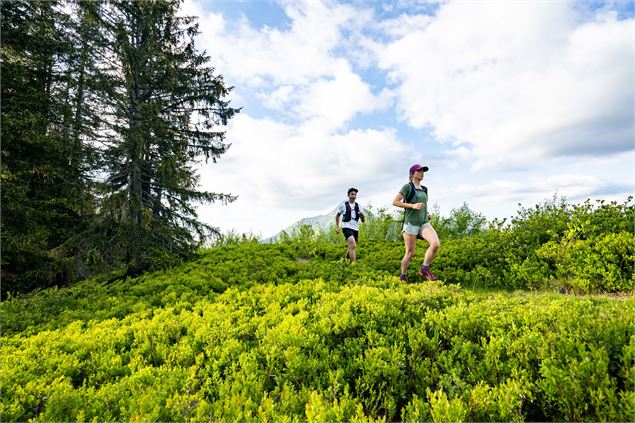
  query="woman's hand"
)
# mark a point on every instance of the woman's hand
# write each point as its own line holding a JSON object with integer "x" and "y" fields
{"x": 417, "y": 206}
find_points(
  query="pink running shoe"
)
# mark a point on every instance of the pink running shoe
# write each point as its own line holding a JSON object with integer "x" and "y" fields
{"x": 426, "y": 273}
{"x": 403, "y": 278}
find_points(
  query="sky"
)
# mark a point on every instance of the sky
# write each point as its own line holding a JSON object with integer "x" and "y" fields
{"x": 507, "y": 102}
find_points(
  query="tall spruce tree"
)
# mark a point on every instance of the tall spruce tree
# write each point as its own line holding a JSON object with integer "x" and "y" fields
{"x": 164, "y": 108}
{"x": 46, "y": 199}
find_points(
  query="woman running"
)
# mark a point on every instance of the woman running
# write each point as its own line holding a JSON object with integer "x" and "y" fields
{"x": 413, "y": 197}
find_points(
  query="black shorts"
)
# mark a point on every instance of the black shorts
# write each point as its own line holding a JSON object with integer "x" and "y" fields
{"x": 350, "y": 232}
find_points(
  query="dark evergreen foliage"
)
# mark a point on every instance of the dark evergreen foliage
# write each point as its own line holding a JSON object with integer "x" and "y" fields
{"x": 46, "y": 197}
{"x": 166, "y": 109}
{"x": 106, "y": 106}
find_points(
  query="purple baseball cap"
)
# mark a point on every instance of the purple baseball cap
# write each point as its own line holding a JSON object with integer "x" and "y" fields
{"x": 416, "y": 167}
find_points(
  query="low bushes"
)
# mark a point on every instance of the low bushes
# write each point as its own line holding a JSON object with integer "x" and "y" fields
{"x": 318, "y": 350}
{"x": 287, "y": 332}
{"x": 493, "y": 260}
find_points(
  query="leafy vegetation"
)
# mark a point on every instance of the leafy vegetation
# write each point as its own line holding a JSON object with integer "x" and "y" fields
{"x": 317, "y": 350}
{"x": 286, "y": 332}
{"x": 581, "y": 248}
{"x": 105, "y": 106}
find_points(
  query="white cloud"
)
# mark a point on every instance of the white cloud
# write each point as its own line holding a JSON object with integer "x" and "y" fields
{"x": 273, "y": 166}
{"x": 279, "y": 97}
{"x": 293, "y": 56}
{"x": 497, "y": 193}
{"x": 404, "y": 25}
{"x": 299, "y": 71}
{"x": 517, "y": 81}
{"x": 302, "y": 74}
{"x": 335, "y": 101}
{"x": 527, "y": 90}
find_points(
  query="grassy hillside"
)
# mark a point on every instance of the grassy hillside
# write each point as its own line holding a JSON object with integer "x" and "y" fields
{"x": 533, "y": 321}
{"x": 284, "y": 332}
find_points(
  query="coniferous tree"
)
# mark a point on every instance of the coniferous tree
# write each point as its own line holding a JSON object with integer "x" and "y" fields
{"x": 105, "y": 108}
{"x": 45, "y": 195}
{"x": 163, "y": 108}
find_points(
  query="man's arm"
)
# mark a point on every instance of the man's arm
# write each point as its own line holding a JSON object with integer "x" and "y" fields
{"x": 337, "y": 222}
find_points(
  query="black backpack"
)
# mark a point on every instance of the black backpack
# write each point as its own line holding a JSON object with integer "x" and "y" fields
{"x": 413, "y": 192}
{"x": 348, "y": 213}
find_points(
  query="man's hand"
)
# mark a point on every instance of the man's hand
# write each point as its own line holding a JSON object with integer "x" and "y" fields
{"x": 362, "y": 217}
{"x": 337, "y": 229}
{"x": 429, "y": 216}
{"x": 417, "y": 206}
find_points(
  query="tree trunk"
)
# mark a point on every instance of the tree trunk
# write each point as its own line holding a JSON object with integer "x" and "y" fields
{"x": 136, "y": 165}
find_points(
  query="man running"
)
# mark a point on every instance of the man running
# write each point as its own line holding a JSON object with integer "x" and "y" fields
{"x": 352, "y": 213}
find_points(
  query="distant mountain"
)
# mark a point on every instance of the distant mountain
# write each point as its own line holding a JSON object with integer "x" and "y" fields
{"x": 323, "y": 222}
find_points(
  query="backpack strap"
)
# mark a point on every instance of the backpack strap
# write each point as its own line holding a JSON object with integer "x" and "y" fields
{"x": 347, "y": 213}
{"x": 413, "y": 192}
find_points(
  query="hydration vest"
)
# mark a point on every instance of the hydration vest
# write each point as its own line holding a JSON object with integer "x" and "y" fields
{"x": 413, "y": 192}
{"x": 347, "y": 215}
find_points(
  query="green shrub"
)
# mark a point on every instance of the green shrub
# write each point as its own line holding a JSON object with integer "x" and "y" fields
{"x": 603, "y": 263}
{"x": 286, "y": 332}
{"x": 320, "y": 350}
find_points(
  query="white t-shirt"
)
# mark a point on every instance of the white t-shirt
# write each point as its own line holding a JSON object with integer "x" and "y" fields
{"x": 351, "y": 224}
